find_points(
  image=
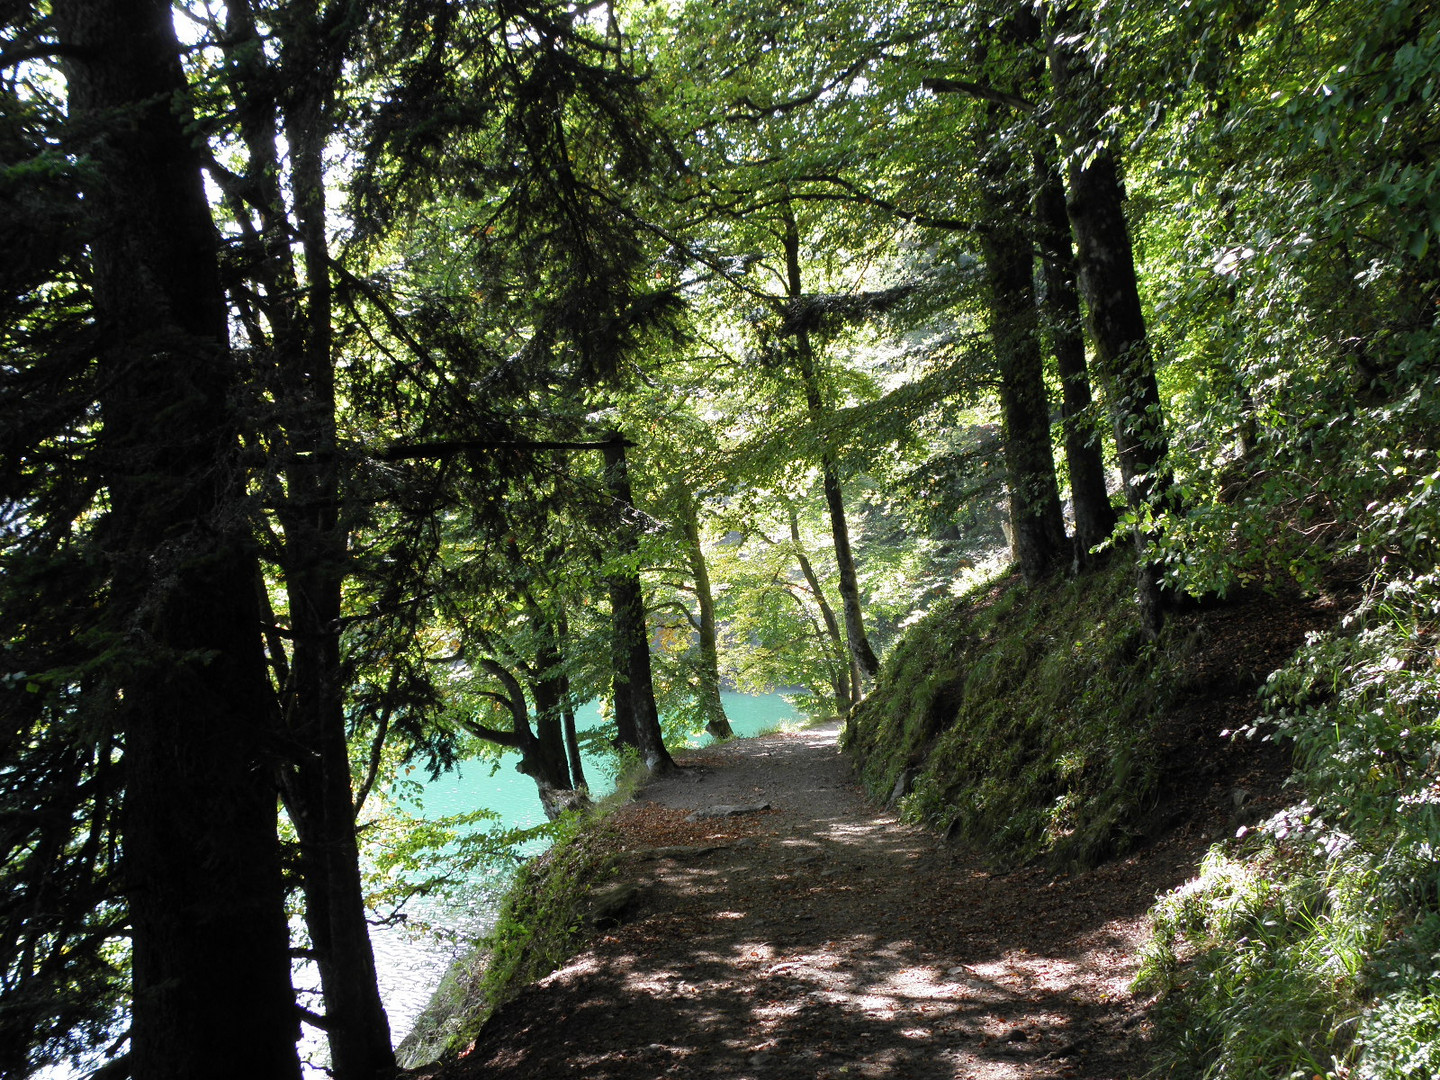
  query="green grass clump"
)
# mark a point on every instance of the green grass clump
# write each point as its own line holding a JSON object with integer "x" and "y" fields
{"x": 1262, "y": 963}
{"x": 1025, "y": 718}
{"x": 1311, "y": 948}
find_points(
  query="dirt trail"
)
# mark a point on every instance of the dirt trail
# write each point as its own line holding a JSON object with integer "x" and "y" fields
{"x": 823, "y": 939}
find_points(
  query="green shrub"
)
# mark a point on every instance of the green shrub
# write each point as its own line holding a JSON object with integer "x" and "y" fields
{"x": 1400, "y": 1037}
{"x": 1312, "y": 948}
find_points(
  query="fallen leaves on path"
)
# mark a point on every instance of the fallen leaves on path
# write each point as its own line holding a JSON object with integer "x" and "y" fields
{"x": 823, "y": 938}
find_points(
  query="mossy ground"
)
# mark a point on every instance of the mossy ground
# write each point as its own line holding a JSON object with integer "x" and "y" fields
{"x": 1023, "y": 721}
{"x": 1039, "y": 724}
{"x": 542, "y": 922}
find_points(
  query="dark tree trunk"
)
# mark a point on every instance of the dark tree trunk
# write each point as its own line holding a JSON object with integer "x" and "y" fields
{"x": 708, "y": 669}
{"x": 865, "y": 661}
{"x": 633, "y": 677}
{"x": 1037, "y": 524}
{"x": 538, "y": 759}
{"x": 210, "y": 944}
{"x": 318, "y": 789}
{"x": 1108, "y": 284}
{"x": 1094, "y": 516}
{"x": 550, "y": 754}
{"x": 622, "y": 701}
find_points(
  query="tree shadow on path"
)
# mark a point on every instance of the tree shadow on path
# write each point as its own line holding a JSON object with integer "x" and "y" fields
{"x": 821, "y": 939}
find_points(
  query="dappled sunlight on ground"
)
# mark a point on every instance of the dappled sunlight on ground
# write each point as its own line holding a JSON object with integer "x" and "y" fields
{"x": 821, "y": 939}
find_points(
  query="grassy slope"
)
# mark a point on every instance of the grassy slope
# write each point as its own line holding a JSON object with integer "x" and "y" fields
{"x": 543, "y": 921}
{"x": 1025, "y": 721}
{"x": 1035, "y": 725}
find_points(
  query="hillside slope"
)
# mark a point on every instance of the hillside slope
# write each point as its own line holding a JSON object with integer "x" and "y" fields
{"x": 1036, "y": 723}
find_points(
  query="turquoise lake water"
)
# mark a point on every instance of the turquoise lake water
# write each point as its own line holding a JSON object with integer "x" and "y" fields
{"x": 409, "y": 966}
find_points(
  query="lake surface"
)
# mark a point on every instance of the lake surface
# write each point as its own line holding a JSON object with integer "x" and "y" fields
{"x": 410, "y": 966}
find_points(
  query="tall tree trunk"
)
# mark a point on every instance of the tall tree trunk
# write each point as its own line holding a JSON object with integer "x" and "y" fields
{"x": 633, "y": 676}
{"x": 296, "y": 330}
{"x": 1094, "y": 516}
{"x": 1037, "y": 523}
{"x": 866, "y": 664}
{"x": 549, "y": 689}
{"x": 846, "y": 677}
{"x": 856, "y": 639}
{"x": 320, "y": 797}
{"x": 1108, "y": 283}
{"x": 707, "y": 672}
{"x": 210, "y": 944}
{"x": 622, "y": 700}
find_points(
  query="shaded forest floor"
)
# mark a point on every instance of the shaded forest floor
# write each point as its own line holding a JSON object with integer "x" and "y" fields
{"x": 822, "y": 938}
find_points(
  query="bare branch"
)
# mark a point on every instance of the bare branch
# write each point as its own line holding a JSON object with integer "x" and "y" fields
{"x": 979, "y": 91}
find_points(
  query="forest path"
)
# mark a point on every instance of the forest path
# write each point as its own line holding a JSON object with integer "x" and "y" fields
{"x": 822, "y": 938}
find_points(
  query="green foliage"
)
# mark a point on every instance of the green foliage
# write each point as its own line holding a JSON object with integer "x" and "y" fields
{"x": 1264, "y": 961}
{"x": 409, "y": 856}
{"x": 540, "y": 923}
{"x": 1400, "y": 1037}
{"x": 1313, "y": 946}
{"x": 1288, "y": 223}
{"x": 1025, "y": 719}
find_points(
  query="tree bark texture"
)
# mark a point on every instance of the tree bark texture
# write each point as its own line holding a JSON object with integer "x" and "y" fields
{"x": 1036, "y": 522}
{"x": 210, "y": 959}
{"x": 542, "y": 755}
{"x": 633, "y": 677}
{"x": 572, "y": 749}
{"x": 1094, "y": 516}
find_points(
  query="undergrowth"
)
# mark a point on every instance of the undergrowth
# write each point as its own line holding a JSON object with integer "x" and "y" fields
{"x": 1310, "y": 947}
{"x": 544, "y": 912}
{"x": 1022, "y": 720}
{"x": 541, "y": 923}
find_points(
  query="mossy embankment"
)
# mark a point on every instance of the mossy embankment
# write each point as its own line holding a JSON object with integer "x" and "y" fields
{"x": 1040, "y": 724}
{"x": 555, "y": 899}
